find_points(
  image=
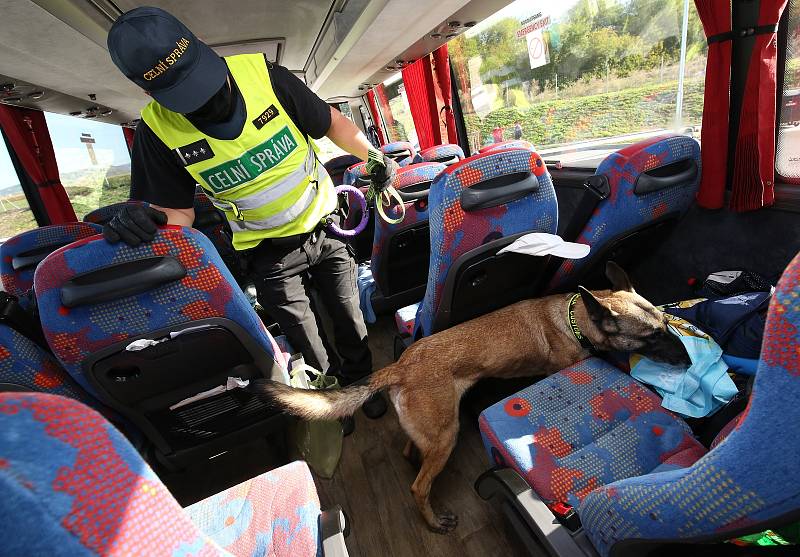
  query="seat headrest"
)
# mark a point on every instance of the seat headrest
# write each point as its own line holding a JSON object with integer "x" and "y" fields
{"x": 413, "y": 182}
{"x": 446, "y": 154}
{"x": 21, "y": 254}
{"x": 399, "y": 150}
{"x": 354, "y": 175}
{"x": 104, "y": 214}
{"x": 514, "y": 176}
{"x": 514, "y": 144}
{"x": 660, "y": 162}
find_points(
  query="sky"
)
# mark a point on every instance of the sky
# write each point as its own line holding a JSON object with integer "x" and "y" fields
{"x": 71, "y": 154}
{"x": 522, "y": 9}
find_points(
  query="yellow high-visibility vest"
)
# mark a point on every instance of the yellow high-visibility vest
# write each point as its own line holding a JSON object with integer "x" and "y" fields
{"x": 268, "y": 180}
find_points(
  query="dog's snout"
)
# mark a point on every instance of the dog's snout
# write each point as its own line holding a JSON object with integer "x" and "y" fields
{"x": 666, "y": 348}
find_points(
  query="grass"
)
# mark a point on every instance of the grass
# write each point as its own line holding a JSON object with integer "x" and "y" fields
{"x": 86, "y": 193}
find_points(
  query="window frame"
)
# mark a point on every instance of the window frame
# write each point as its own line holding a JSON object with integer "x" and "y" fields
{"x": 785, "y": 187}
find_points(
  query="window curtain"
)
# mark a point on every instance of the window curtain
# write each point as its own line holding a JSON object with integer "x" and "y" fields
{"x": 716, "y": 18}
{"x": 753, "y": 184}
{"x": 418, "y": 81}
{"x": 376, "y": 117}
{"x": 386, "y": 113}
{"x": 129, "y": 134}
{"x": 441, "y": 63}
{"x": 28, "y": 135}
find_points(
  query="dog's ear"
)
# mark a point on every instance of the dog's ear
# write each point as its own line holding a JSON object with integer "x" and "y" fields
{"x": 602, "y": 316}
{"x": 618, "y": 277}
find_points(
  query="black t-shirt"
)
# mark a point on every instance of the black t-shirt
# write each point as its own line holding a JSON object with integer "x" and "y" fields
{"x": 158, "y": 176}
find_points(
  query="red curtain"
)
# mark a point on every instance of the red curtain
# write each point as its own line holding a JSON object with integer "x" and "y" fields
{"x": 418, "y": 81}
{"x": 386, "y": 112}
{"x": 754, "y": 163}
{"x": 376, "y": 116}
{"x": 28, "y": 135}
{"x": 716, "y": 18}
{"x": 129, "y": 134}
{"x": 442, "y": 67}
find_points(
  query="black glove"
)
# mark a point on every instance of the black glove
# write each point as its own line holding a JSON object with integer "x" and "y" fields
{"x": 134, "y": 224}
{"x": 382, "y": 170}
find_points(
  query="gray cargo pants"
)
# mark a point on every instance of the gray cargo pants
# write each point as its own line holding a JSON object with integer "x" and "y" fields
{"x": 281, "y": 269}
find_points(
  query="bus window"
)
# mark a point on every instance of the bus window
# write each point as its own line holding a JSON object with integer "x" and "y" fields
{"x": 787, "y": 159}
{"x": 15, "y": 214}
{"x": 93, "y": 161}
{"x": 397, "y": 113}
{"x": 327, "y": 148}
{"x": 577, "y": 71}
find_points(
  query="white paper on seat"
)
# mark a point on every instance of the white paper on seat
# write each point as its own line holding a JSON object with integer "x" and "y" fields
{"x": 143, "y": 343}
{"x": 541, "y": 243}
{"x": 232, "y": 383}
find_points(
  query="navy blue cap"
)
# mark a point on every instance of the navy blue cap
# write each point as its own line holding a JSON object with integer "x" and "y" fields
{"x": 159, "y": 54}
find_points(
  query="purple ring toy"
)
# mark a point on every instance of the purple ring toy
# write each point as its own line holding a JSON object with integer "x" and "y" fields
{"x": 335, "y": 229}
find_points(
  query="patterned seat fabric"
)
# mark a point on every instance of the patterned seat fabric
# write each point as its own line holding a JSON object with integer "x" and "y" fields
{"x": 17, "y": 275}
{"x": 746, "y": 481}
{"x": 624, "y": 211}
{"x": 354, "y": 174}
{"x": 208, "y": 290}
{"x": 416, "y": 215}
{"x": 276, "y": 513}
{"x": 454, "y": 231}
{"x": 513, "y": 144}
{"x": 75, "y": 486}
{"x": 104, "y": 214}
{"x": 25, "y": 364}
{"x": 585, "y": 427}
{"x": 446, "y": 154}
{"x": 403, "y": 152}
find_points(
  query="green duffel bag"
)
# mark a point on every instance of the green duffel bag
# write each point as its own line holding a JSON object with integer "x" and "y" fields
{"x": 318, "y": 442}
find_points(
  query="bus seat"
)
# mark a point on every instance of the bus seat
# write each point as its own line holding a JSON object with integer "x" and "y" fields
{"x": 402, "y": 152}
{"x": 446, "y": 154}
{"x": 20, "y": 254}
{"x": 502, "y": 145}
{"x": 337, "y": 167}
{"x": 76, "y": 486}
{"x": 195, "y": 329}
{"x": 102, "y": 215}
{"x": 647, "y": 187}
{"x": 25, "y": 366}
{"x": 477, "y": 207}
{"x": 401, "y": 252}
{"x": 590, "y": 436}
{"x": 355, "y": 175}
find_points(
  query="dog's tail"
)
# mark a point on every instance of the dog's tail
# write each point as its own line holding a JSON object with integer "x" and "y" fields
{"x": 324, "y": 404}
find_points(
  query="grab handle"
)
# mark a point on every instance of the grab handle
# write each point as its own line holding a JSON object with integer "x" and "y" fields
{"x": 121, "y": 280}
{"x": 498, "y": 191}
{"x": 671, "y": 175}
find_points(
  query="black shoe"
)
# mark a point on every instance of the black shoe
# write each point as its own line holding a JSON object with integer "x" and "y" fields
{"x": 348, "y": 425}
{"x": 375, "y": 406}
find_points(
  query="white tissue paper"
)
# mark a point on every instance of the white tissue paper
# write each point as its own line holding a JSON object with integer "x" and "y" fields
{"x": 541, "y": 243}
{"x": 232, "y": 383}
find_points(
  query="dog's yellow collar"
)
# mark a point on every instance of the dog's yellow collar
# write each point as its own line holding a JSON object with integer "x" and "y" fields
{"x": 573, "y": 324}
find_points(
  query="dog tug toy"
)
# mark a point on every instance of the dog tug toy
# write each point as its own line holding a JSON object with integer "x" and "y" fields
{"x": 381, "y": 170}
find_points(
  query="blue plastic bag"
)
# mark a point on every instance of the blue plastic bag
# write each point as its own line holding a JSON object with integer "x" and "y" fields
{"x": 696, "y": 392}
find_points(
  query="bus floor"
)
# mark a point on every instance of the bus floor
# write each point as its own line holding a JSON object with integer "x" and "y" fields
{"x": 373, "y": 480}
{"x": 372, "y": 483}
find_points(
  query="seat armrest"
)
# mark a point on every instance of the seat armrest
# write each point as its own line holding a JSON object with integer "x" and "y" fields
{"x": 333, "y": 525}
{"x": 528, "y": 511}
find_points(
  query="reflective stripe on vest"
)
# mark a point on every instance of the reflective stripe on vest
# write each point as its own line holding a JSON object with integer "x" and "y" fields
{"x": 268, "y": 180}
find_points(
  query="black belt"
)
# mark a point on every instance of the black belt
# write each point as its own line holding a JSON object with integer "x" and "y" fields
{"x": 743, "y": 33}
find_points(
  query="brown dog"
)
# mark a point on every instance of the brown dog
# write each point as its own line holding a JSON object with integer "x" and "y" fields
{"x": 529, "y": 338}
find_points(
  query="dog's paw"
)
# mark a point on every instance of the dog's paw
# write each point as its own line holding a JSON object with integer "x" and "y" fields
{"x": 446, "y": 522}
